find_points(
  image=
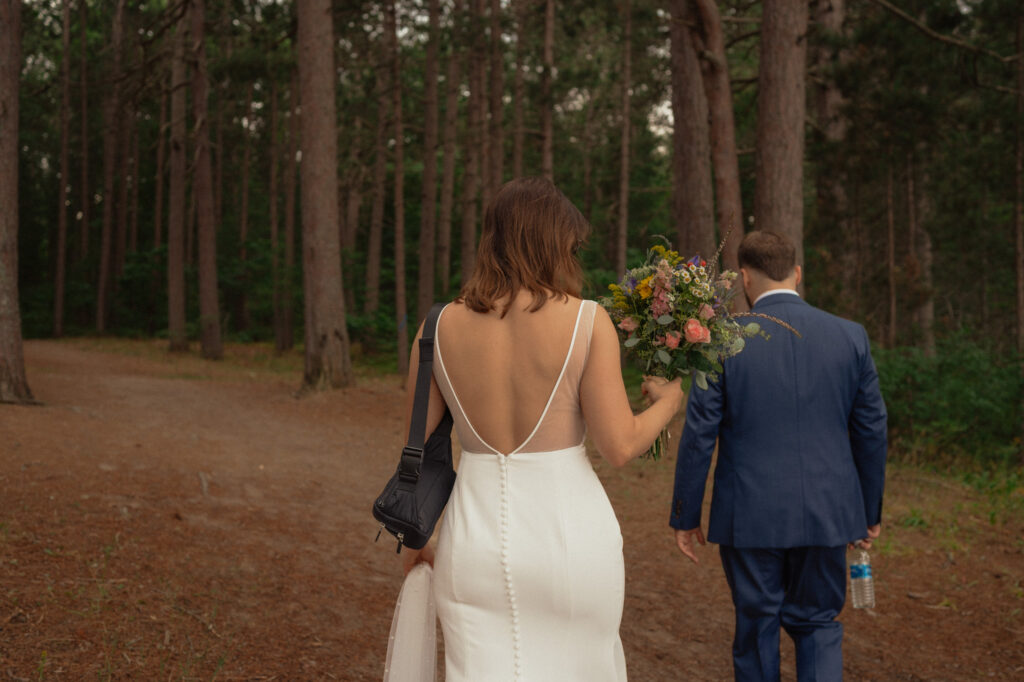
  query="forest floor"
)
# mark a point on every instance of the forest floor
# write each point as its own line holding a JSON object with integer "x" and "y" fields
{"x": 167, "y": 518}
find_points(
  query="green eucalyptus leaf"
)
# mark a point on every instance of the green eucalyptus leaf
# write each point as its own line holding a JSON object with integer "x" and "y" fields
{"x": 631, "y": 341}
{"x": 664, "y": 357}
{"x": 665, "y": 319}
{"x": 702, "y": 379}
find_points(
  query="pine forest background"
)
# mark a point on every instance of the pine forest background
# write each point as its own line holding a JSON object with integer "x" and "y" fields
{"x": 161, "y": 190}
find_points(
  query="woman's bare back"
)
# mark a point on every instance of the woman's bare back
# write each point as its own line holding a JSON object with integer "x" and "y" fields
{"x": 499, "y": 373}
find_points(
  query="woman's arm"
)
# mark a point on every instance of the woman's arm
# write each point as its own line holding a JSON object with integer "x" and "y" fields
{"x": 619, "y": 434}
{"x": 435, "y": 411}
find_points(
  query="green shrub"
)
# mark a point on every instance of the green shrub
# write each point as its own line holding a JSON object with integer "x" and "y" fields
{"x": 962, "y": 404}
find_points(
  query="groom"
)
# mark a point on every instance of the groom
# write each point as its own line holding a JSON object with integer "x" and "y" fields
{"x": 801, "y": 431}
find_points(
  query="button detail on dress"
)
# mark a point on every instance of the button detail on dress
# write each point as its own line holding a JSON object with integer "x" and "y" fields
{"x": 507, "y": 569}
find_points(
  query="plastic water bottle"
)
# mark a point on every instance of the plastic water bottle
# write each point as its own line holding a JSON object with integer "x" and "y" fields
{"x": 862, "y": 584}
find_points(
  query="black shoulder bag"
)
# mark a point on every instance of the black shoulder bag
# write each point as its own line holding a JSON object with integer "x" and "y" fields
{"x": 415, "y": 496}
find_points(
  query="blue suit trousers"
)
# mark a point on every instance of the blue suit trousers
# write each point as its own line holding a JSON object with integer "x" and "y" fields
{"x": 801, "y": 589}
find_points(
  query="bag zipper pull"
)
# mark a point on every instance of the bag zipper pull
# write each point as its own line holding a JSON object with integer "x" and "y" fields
{"x": 379, "y": 531}
{"x": 401, "y": 539}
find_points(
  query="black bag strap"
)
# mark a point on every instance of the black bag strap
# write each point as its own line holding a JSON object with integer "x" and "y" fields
{"x": 412, "y": 453}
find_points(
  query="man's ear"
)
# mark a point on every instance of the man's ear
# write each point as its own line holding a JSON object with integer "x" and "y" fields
{"x": 799, "y": 275}
{"x": 746, "y": 279}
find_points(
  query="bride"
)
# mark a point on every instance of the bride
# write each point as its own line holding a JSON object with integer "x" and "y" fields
{"x": 528, "y": 568}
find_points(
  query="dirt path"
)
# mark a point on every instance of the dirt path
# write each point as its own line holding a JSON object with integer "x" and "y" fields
{"x": 164, "y": 518}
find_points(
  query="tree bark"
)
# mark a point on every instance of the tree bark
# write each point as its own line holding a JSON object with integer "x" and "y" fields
{"x": 64, "y": 188}
{"x": 176, "y": 206}
{"x": 206, "y": 226}
{"x": 243, "y": 215}
{"x": 519, "y": 89}
{"x": 161, "y": 161}
{"x": 84, "y": 129}
{"x": 401, "y": 307}
{"x": 722, "y": 131}
{"x": 451, "y": 114}
{"x": 692, "y": 201}
{"x": 778, "y": 194}
{"x": 471, "y": 166}
{"x": 891, "y": 258}
{"x": 275, "y": 237}
{"x": 925, "y": 312}
{"x": 428, "y": 223}
{"x": 133, "y": 225}
{"x": 547, "y": 95}
{"x": 13, "y": 383}
{"x": 124, "y": 189}
{"x": 327, "y": 347}
{"x": 479, "y": 48}
{"x": 623, "y": 223}
{"x": 497, "y": 92}
{"x": 380, "y": 178}
{"x": 112, "y": 108}
{"x": 285, "y": 340}
{"x": 1018, "y": 213}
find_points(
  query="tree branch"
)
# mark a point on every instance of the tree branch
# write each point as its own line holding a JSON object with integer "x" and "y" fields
{"x": 935, "y": 35}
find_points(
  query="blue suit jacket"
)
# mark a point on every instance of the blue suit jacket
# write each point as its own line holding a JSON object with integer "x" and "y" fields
{"x": 801, "y": 430}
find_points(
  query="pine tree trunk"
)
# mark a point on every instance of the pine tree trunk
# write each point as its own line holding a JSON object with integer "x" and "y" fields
{"x": 401, "y": 307}
{"x": 781, "y": 107}
{"x": 176, "y": 206}
{"x": 64, "y": 188}
{"x": 480, "y": 55}
{"x": 13, "y": 383}
{"x": 692, "y": 201}
{"x": 547, "y": 95}
{"x": 428, "y": 224}
{"x": 327, "y": 347}
{"x": 161, "y": 160}
{"x": 380, "y": 177}
{"x": 519, "y": 89}
{"x": 275, "y": 237}
{"x": 623, "y": 225}
{"x": 471, "y": 166}
{"x": 112, "y": 108}
{"x": 1018, "y": 212}
{"x": 722, "y": 131}
{"x": 451, "y": 114}
{"x": 925, "y": 258}
{"x": 497, "y": 91}
{"x": 133, "y": 225}
{"x": 86, "y": 199}
{"x": 202, "y": 186}
{"x": 286, "y": 338}
{"x": 891, "y": 258}
{"x": 124, "y": 193}
{"x": 243, "y": 216}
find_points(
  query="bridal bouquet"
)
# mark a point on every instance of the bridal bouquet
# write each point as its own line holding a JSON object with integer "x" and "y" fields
{"x": 673, "y": 315}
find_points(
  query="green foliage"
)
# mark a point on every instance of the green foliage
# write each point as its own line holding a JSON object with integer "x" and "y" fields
{"x": 963, "y": 404}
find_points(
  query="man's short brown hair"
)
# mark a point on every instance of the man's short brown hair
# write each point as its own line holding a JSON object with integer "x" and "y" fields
{"x": 769, "y": 253}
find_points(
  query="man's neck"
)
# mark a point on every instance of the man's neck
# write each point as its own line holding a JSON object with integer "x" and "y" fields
{"x": 782, "y": 288}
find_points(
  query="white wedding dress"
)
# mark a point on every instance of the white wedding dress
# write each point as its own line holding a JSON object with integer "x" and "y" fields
{"x": 528, "y": 575}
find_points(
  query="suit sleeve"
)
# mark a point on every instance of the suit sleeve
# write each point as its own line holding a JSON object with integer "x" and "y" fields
{"x": 868, "y": 428}
{"x": 697, "y": 445}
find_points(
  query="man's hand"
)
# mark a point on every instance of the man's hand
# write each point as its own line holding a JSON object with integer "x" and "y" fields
{"x": 686, "y": 539}
{"x": 873, "y": 533}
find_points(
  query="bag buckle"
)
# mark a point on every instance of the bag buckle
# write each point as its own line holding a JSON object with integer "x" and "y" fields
{"x": 409, "y": 464}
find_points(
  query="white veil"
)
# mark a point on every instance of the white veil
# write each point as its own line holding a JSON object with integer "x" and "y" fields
{"x": 412, "y": 646}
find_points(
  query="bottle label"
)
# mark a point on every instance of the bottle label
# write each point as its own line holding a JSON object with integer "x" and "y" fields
{"x": 860, "y": 571}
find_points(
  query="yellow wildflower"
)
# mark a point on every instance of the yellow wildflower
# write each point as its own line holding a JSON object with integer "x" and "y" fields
{"x": 644, "y": 288}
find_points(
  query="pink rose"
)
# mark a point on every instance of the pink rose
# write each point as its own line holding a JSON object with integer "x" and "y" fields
{"x": 628, "y": 324}
{"x": 706, "y": 312}
{"x": 696, "y": 332}
{"x": 672, "y": 339}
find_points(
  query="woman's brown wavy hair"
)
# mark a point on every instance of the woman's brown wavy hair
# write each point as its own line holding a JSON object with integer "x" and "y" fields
{"x": 529, "y": 241}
